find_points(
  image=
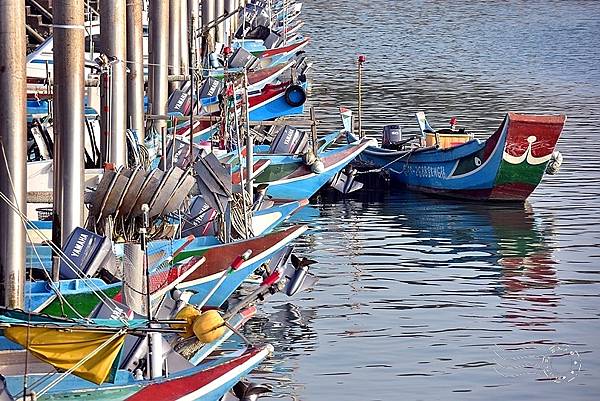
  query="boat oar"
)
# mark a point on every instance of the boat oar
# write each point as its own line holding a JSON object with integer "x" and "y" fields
{"x": 232, "y": 268}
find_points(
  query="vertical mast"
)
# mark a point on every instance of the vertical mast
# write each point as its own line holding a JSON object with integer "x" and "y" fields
{"x": 113, "y": 45}
{"x": 174, "y": 42}
{"x": 13, "y": 136}
{"x": 69, "y": 106}
{"x": 159, "y": 51}
{"x": 135, "y": 78}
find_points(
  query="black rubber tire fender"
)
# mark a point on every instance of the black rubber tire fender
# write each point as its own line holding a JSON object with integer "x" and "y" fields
{"x": 295, "y": 95}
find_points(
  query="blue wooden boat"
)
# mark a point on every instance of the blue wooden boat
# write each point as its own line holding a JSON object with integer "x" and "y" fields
{"x": 279, "y": 100}
{"x": 218, "y": 259}
{"x": 507, "y": 166}
{"x": 289, "y": 177}
{"x": 273, "y": 100}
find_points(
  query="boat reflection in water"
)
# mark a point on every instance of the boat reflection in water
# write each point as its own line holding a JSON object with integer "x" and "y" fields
{"x": 510, "y": 244}
{"x": 528, "y": 266}
{"x": 406, "y": 271}
{"x": 516, "y": 239}
{"x": 290, "y": 329}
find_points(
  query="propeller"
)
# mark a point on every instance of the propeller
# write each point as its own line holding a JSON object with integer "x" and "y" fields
{"x": 301, "y": 262}
{"x": 248, "y": 391}
{"x": 298, "y": 277}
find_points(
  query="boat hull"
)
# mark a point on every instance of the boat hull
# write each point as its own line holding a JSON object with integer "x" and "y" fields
{"x": 508, "y": 166}
{"x": 218, "y": 259}
{"x": 289, "y": 178}
{"x": 206, "y": 383}
{"x": 272, "y": 104}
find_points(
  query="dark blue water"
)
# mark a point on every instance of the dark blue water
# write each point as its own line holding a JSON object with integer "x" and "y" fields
{"x": 422, "y": 298}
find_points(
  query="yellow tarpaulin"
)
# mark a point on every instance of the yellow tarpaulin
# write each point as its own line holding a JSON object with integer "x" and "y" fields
{"x": 64, "y": 349}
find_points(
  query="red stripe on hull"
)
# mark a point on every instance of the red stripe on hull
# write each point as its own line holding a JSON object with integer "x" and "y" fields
{"x": 512, "y": 192}
{"x": 257, "y": 167}
{"x": 218, "y": 258}
{"x": 545, "y": 129}
{"x": 283, "y": 50}
{"x": 174, "y": 389}
{"x": 264, "y": 73}
{"x": 268, "y": 92}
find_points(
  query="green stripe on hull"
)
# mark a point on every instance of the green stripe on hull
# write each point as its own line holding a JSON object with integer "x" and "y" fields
{"x": 94, "y": 395}
{"x": 84, "y": 303}
{"x": 189, "y": 253}
{"x": 523, "y": 173}
{"x": 276, "y": 172}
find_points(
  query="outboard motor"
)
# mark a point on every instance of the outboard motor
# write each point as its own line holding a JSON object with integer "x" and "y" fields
{"x": 87, "y": 250}
{"x": 241, "y": 58}
{"x": 245, "y": 391}
{"x": 289, "y": 140}
{"x": 261, "y": 32}
{"x": 179, "y": 102}
{"x": 392, "y": 136}
{"x": 345, "y": 181}
{"x": 211, "y": 87}
{"x": 199, "y": 220}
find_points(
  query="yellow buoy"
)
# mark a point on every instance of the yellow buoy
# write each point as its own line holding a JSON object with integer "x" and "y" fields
{"x": 209, "y": 326}
{"x": 189, "y": 314}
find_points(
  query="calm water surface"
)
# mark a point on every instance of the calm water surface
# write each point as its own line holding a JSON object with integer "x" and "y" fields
{"x": 422, "y": 298}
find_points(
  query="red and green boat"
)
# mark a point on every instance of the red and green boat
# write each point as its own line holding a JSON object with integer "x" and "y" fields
{"x": 508, "y": 166}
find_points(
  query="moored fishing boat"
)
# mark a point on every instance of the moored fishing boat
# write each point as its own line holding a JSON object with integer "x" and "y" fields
{"x": 291, "y": 177}
{"x": 95, "y": 352}
{"x": 507, "y": 166}
{"x": 218, "y": 258}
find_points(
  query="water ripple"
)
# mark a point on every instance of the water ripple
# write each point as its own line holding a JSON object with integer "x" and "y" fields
{"x": 422, "y": 298}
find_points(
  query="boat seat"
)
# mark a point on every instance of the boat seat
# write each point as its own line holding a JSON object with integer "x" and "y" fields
{"x": 424, "y": 126}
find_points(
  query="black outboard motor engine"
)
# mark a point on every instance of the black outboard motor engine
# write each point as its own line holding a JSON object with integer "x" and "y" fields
{"x": 241, "y": 58}
{"x": 289, "y": 140}
{"x": 392, "y": 136}
{"x": 210, "y": 87}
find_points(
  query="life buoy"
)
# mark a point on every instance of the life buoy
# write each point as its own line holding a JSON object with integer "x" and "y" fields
{"x": 295, "y": 95}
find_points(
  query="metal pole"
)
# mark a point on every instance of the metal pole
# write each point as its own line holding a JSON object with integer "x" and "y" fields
{"x": 174, "y": 41}
{"x": 313, "y": 130}
{"x": 135, "y": 78}
{"x": 361, "y": 60}
{"x": 194, "y": 12}
{"x": 208, "y": 16}
{"x": 13, "y": 149}
{"x": 192, "y": 43}
{"x": 113, "y": 44}
{"x": 229, "y": 7}
{"x": 159, "y": 29}
{"x": 68, "y": 117}
{"x": 183, "y": 35}
{"x": 219, "y": 11}
{"x": 193, "y": 22}
{"x": 249, "y": 142}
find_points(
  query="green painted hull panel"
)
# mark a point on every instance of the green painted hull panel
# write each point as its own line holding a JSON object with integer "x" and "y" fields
{"x": 84, "y": 303}
{"x": 523, "y": 173}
